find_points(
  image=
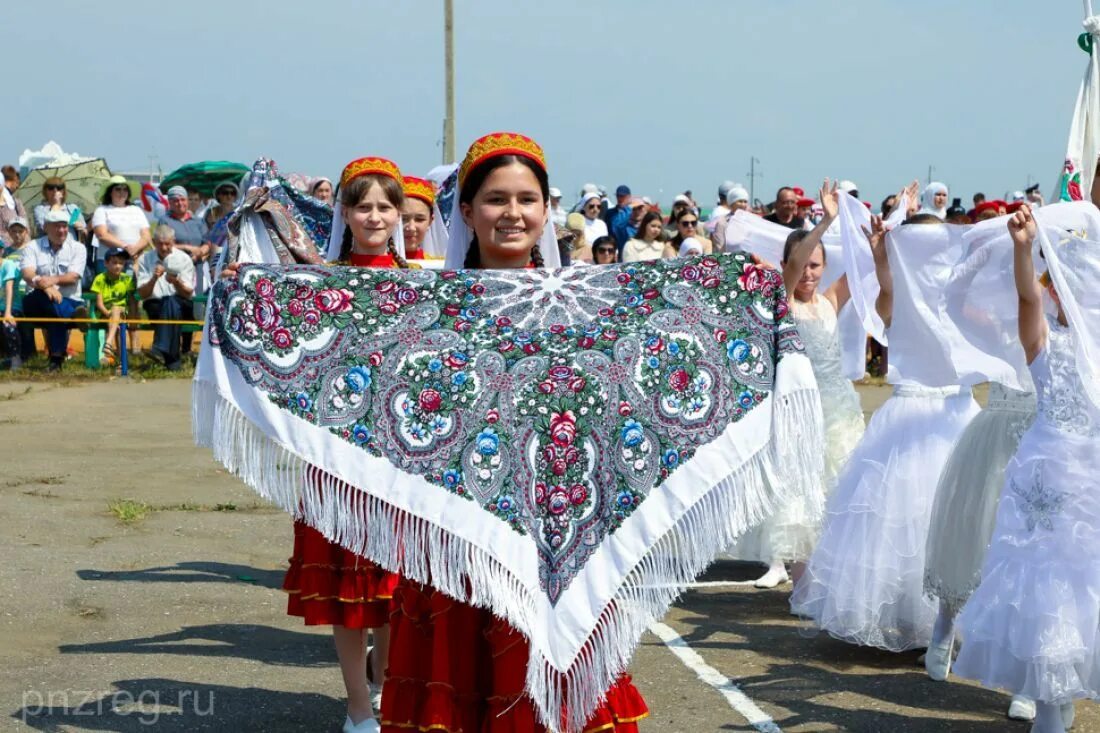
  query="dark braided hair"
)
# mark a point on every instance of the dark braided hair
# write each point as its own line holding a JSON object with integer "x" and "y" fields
{"x": 353, "y": 193}
{"x": 473, "y": 183}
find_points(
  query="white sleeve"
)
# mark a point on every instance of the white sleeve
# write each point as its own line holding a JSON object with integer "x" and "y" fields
{"x": 144, "y": 270}
{"x": 187, "y": 271}
{"x": 99, "y": 217}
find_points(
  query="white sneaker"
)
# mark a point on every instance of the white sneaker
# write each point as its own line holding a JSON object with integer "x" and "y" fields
{"x": 1022, "y": 708}
{"x": 937, "y": 661}
{"x": 375, "y": 697}
{"x": 370, "y": 725}
{"x": 775, "y": 576}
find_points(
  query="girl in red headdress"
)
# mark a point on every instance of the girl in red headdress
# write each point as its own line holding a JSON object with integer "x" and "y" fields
{"x": 328, "y": 585}
{"x": 416, "y": 215}
{"x": 455, "y": 668}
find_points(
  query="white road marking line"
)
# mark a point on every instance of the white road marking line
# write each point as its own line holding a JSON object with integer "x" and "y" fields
{"x": 709, "y": 584}
{"x": 739, "y": 701}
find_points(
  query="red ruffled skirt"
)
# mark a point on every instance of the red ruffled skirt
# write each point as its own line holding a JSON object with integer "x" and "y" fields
{"x": 454, "y": 668}
{"x": 328, "y": 585}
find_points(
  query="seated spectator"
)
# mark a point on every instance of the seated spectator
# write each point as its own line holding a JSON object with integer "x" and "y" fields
{"x": 648, "y": 243}
{"x": 166, "y": 285}
{"x": 52, "y": 266}
{"x": 190, "y": 234}
{"x": 54, "y": 195}
{"x": 114, "y": 291}
{"x": 679, "y": 204}
{"x": 10, "y": 207}
{"x": 225, "y": 199}
{"x": 691, "y": 247}
{"x": 18, "y": 338}
{"x": 119, "y": 223}
{"x": 687, "y": 225}
{"x": 217, "y": 216}
{"x": 196, "y": 203}
{"x": 737, "y": 199}
{"x": 604, "y": 251}
{"x": 582, "y": 252}
{"x": 594, "y": 226}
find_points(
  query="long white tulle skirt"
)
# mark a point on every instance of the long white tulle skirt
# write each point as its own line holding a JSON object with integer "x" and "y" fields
{"x": 1031, "y": 626}
{"x": 864, "y": 583}
{"x": 969, "y": 489}
{"x": 791, "y": 533}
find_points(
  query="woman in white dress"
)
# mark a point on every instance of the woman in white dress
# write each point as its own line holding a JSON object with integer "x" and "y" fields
{"x": 791, "y": 533}
{"x": 970, "y": 486}
{"x": 1031, "y": 626}
{"x": 864, "y": 582}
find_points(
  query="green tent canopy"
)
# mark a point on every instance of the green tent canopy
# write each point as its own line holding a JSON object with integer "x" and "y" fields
{"x": 204, "y": 176}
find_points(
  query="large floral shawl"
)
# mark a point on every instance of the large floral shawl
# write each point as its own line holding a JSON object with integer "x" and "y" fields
{"x": 568, "y": 448}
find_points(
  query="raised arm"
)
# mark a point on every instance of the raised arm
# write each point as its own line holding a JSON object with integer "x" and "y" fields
{"x": 800, "y": 253}
{"x": 1033, "y": 327}
{"x": 884, "y": 303}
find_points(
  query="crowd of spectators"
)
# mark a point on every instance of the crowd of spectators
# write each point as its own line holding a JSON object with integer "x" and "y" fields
{"x": 118, "y": 260}
{"x": 63, "y": 265}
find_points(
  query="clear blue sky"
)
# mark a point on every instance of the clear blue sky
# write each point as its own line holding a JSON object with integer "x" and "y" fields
{"x": 661, "y": 95}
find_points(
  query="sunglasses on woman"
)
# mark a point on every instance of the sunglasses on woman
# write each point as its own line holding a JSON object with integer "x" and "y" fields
{"x": 688, "y": 222}
{"x": 226, "y": 192}
{"x": 54, "y": 187}
{"x": 605, "y": 251}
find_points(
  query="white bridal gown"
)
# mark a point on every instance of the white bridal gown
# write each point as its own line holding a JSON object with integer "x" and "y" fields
{"x": 791, "y": 533}
{"x": 1031, "y": 625}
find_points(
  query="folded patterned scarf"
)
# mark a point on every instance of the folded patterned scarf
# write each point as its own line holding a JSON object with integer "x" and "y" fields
{"x": 566, "y": 447}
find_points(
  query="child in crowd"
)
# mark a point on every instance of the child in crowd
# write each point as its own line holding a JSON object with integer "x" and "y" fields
{"x": 114, "y": 291}
{"x": 18, "y": 339}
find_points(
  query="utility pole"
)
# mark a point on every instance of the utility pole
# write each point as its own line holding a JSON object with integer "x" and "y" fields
{"x": 449, "y": 73}
{"x": 930, "y": 169}
{"x": 753, "y": 175}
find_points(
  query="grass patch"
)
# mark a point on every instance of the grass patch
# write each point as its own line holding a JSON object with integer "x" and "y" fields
{"x": 184, "y": 507}
{"x": 128, "y": 511}
{"x": 74, "y": 372}
{"x": 40, "y": 494}
{"x": 190, "y": 506}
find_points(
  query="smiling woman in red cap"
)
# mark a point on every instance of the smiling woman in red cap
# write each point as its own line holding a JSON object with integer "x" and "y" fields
{"x": 416, "y": 215}
{"x": 454, "y": 667}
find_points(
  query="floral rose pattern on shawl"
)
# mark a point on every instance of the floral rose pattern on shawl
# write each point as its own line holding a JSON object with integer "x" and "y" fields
{"x": 555, "y": 399}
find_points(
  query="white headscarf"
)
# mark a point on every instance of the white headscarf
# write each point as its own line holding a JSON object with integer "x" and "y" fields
{"x": 460, "y": 236}
{"x": 584, "y": 201}
{"x": 435, "y": 242}
{"x": 928, "y": 199}
{"x": 1069, "y": 236}
{"x": 690, "y": 246}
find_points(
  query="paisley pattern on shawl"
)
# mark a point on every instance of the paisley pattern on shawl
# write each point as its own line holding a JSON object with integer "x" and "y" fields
{"x": 555, "y": 400}
{"x": 297, "y": 224}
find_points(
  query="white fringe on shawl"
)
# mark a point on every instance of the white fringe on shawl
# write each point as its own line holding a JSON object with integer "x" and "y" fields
{"x": 736, "y": 493}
